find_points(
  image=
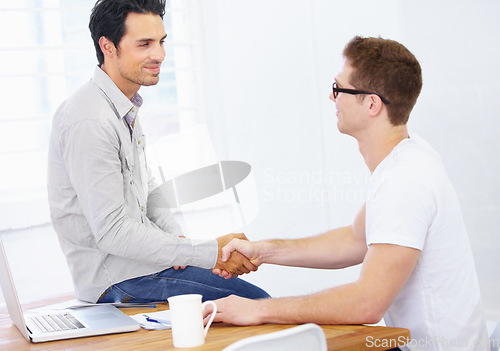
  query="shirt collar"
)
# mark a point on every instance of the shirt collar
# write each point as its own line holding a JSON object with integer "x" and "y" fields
{"x": 120, "y": 102}
{"x": 136, "y": 100}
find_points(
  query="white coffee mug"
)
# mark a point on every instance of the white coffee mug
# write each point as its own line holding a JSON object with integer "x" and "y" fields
{"x": 186, "y": 313}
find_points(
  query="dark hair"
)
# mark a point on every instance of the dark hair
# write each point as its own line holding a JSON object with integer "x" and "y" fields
{"x": 108, "y": 19}
{"x": 387, "y": 68}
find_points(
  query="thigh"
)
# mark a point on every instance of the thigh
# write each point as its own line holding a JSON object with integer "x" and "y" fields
{"x": 196, "y": 280}
{"x": 170, "y": 282}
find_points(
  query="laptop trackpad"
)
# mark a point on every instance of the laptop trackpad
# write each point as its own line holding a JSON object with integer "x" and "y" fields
{"x": 100, "y": 316}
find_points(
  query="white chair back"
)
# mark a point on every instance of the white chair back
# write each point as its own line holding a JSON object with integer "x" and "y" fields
{"x": 307, "y": 337}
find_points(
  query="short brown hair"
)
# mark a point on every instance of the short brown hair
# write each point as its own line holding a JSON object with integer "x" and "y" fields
{"x": 389, "y": 69}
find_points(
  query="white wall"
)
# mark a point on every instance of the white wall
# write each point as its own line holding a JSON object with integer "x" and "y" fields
{"x": 270, "y": 65}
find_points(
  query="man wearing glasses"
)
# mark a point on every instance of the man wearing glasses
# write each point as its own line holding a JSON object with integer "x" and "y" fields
{"x": 418, "y": 270}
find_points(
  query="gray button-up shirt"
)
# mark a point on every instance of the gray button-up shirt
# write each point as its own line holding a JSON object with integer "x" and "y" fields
{"x": 99, "y": 183}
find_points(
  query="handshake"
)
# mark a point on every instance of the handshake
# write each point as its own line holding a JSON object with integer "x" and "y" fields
{"x": 236, "y": 256}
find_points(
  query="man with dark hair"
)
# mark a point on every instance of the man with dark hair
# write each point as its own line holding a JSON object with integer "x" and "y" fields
{"x": 108, "y": 19}
{"x": 120, "y": 244}
{"x": 418, "y": 271}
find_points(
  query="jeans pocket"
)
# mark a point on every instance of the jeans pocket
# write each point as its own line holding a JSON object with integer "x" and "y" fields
{"x": 114, "y": 294}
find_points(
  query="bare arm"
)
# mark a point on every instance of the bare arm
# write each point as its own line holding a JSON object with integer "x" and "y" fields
{"x": 385, "y": 271}
{"x": 338, "y": 248}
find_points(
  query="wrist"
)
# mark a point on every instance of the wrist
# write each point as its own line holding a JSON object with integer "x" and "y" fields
{"x": 266, "y": 250}
{"x": 264, "y": 310}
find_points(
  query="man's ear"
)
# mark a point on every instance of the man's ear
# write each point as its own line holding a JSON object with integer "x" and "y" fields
{"x": 375, "y": 104}
{"x": 107, "y": 47}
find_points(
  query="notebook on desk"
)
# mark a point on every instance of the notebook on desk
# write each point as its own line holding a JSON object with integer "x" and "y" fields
{"x": 48, "y": 325}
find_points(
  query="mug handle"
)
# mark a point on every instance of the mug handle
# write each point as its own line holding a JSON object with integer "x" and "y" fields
{"x": 214, "y": 312}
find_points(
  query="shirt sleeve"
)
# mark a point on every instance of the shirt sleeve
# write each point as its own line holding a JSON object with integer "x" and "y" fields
{"x": 90, "y": 150}
{"x": 400, "y": 210}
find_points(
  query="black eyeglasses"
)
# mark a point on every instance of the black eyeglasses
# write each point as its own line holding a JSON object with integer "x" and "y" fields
{"x": 337, "y": 90}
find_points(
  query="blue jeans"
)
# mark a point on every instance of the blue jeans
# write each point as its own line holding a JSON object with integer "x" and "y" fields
{"x": 170, "y": 282}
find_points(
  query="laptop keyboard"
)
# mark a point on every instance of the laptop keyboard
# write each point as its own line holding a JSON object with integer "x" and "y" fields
{"x": 56, "y": 322}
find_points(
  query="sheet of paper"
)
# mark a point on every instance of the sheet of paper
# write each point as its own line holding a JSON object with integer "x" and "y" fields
{"x": 163, "y": 317}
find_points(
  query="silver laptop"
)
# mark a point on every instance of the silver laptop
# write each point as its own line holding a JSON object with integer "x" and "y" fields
{"x": 47, "y": 325}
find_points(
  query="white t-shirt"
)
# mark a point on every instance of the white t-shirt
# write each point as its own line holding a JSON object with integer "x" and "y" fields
{"x": 412, "y": 203}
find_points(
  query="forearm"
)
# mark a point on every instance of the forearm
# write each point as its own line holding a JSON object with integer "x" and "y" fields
{"x": 337, "y": 248}
{"x": 347, "y": 304}
{"x": 131, "y": 239}
{"x": 164, "y": 219}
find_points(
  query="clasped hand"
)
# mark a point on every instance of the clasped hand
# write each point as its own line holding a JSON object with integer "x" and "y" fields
{"x": 235, "y": 256}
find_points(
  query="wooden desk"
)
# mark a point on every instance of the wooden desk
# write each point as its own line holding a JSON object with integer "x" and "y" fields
{"x": 338, "y": 337}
